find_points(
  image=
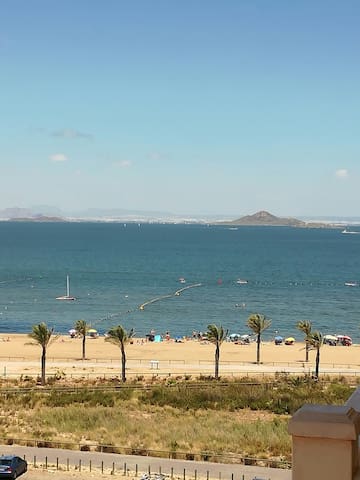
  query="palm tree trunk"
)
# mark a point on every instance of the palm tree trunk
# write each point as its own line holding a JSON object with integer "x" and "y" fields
{"x": 217, "y": 356}
{"x": 83, "y": 346}
{"x": 306, "y": 351}
{"x": 258, "y": 349}
{"x": 43, "y": 364}
{"x": 123, "y": 363}
{"x": 317, "y": 362}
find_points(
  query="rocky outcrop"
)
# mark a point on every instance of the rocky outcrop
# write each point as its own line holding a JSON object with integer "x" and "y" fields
{"x": 267, "y": 219}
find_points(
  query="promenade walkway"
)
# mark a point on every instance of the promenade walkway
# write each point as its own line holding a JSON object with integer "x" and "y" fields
{"x": 180, "y": 469}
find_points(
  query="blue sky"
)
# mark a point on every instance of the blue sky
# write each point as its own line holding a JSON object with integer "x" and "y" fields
{"x": 192, "y": 106}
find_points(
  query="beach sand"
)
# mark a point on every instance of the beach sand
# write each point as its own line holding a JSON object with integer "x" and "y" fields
{"x": 18, "y": 356}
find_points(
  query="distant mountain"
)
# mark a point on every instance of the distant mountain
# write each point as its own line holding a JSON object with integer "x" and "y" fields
{"x": 38, "y": 218}
{"x": 15, "y": 212}
{"x": 267, "y": 219}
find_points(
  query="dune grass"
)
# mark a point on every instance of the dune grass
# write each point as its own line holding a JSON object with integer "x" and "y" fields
{"x": 248, "y": 419}
{"x": 162, "y": 429}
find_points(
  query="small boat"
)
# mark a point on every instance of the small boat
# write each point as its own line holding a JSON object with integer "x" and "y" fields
{"x": 346, "y": 231}
{"x": 240, "y": 281}
{"x": 67, "y": 296}
{"x": 182, "y": 280}
{"x": 351, "y": 284}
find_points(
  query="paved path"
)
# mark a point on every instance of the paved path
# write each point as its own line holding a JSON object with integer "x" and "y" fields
{"x": 142, "y": 464}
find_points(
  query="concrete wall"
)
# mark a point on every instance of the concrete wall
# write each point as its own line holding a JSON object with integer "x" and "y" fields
{"x": 326, "y": 441}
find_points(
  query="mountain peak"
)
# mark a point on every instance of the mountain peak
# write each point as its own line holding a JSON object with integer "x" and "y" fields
{"x": 265, "y": 218}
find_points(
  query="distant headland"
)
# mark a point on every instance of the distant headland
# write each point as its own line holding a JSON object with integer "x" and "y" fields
{"x": 264, "y": 218}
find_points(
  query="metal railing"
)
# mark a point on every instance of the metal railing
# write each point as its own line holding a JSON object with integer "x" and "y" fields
{"x": 228, "y": 458}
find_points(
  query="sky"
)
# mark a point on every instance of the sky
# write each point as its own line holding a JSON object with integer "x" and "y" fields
{"x": 192, "y": 107}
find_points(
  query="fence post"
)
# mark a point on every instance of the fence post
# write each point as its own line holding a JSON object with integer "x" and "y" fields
{"x": 46, "y": 463}
{"x": 113, "y": 468}
{"x": 102, "y": 466}
{"x": 67, "y": 464}
{"x": 136, "y": 470}
{"x": 80, "y": 465}
{"x": 90, "y": 465}
{"x": 195, "y": 474}
{"x": 207, "y": 474}
{"x": 160, "y": 469}
{"x": 57, "y": 463}
{"x": 149, "y": 470}
{"x": 124, "y": 468}
{"x": 172, "y": 473}
{"x": 35, "y": 461}
{"x": 184, "y": 474}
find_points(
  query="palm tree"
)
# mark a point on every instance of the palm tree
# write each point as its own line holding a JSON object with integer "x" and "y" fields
{"x": 119, "y": 336}
{"x": 305, "y": 326}
{"x": 216, "y": 335}
{"x": 43, "y": 336}
{"x": 258, "y": 323}
{"x": 315, "y": 340}
{"x": 82, "y": 328}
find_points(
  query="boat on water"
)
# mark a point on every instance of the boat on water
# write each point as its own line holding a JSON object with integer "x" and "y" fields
{"x": 182, "y": 280}
{"x": 346, "y": 231}
{"x": 351, "y": 284}
{"x": 67, "y": 296}
{"x": 240, "y": 281}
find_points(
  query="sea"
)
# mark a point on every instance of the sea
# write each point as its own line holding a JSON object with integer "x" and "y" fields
{"x": 130, "y": 274}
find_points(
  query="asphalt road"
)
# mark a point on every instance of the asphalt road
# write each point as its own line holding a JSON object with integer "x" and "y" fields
{"x": 181, "y": 469}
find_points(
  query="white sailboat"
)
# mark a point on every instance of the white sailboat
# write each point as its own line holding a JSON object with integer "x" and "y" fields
{"x": 67, "y": 296}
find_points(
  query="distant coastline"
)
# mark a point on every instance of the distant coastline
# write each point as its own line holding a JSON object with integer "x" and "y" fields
{"x": 261, "y": 218}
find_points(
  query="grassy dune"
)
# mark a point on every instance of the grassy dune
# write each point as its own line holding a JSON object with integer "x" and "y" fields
{"x": 236, "y": 418}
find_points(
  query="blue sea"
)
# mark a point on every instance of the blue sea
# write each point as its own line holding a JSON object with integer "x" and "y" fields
{"x": 292, "y": 273}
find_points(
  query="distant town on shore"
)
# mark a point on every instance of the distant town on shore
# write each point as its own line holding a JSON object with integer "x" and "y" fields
{"x": 261, "y": 218}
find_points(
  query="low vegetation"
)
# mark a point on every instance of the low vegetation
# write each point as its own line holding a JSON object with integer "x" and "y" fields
{"x": 169, "y": 418}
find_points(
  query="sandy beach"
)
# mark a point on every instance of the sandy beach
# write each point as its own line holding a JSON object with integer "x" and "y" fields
{"x": 18, "y": 356}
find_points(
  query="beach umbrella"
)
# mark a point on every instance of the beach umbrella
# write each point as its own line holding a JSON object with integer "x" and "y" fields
{"x": 344, "y": 340}
{"x": 278, "y": 339}
{"x": 72, "y": 331}
{"x": 92, "y": 330}
{"x": 234, "y": 336}
{"x": 330, "y": 337}
{"x": 289, "y": 340}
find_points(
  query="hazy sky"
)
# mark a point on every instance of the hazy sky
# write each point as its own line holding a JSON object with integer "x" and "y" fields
{"x": 189, "y": 106}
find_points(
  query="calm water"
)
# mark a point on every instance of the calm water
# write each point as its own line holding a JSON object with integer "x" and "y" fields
{"x": 293, "y": 274}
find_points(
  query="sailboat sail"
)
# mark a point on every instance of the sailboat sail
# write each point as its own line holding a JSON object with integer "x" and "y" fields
{"x": 67, "y": 296}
